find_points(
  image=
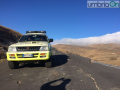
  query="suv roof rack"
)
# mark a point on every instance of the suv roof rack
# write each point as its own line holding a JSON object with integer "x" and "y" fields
{"x": 35, "y": 32}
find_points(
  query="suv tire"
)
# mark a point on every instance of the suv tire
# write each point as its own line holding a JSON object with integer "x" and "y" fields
{"x": 48, "y": 63}
{"x": 13, "y": 65}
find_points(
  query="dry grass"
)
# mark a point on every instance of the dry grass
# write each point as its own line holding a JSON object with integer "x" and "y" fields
{"x": 7, "y": 37}
{"x": 2, "y": 55}
{"x": 105, "y": 53}
{"x": 3, "y": 60}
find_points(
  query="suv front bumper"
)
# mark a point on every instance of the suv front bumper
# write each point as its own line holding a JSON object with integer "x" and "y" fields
{"x": 37, "y": 55}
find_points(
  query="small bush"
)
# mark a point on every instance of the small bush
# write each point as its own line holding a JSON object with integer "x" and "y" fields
{"x": 2, "y": 55}
{"x": 113, "y": 58}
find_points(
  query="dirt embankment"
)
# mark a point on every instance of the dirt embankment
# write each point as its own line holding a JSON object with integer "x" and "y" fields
{"x": 7, "y": 37}
{"x": 104, "y": 53}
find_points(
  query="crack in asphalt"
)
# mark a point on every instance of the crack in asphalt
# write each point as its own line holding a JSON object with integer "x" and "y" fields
{"x": 18, "y": 82}
{"x": 89, "y": 75}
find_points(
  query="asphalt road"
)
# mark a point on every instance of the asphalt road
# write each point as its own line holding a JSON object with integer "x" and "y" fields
{"x": 68, "y": 72}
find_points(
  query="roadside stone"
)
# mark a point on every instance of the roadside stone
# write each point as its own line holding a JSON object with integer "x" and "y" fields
{"x": 19, "y": 82}
{"x": 68, "y": 59}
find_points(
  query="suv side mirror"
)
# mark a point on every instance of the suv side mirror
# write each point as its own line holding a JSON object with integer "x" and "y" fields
{"x": 50, "y": 40}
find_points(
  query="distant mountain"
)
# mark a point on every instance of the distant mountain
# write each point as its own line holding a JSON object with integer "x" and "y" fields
{"x": 105, "y": 53}
{"x": 110, "y": 46}
{"x": 7, "y": 37}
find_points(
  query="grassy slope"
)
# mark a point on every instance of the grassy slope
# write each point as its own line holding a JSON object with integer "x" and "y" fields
{"x": 7, "y": 37}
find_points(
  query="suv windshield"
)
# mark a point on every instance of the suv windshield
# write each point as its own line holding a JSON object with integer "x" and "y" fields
{"x": 33, "y": 38}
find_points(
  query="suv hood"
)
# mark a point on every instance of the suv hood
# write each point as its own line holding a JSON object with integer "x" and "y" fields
{"x": 31, "y": 43}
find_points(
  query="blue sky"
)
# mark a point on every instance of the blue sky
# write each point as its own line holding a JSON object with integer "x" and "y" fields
{"x": 60, "y": 18}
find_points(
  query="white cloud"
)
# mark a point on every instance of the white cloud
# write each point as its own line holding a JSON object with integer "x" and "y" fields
{"x": 105, "y": 39}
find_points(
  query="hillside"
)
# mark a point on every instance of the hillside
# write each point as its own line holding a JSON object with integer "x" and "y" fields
{"x": 7, "y": 37}
{"x": 105, "y": 53}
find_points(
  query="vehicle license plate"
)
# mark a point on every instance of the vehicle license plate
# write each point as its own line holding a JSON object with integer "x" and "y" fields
{"x": 27, "y": 55}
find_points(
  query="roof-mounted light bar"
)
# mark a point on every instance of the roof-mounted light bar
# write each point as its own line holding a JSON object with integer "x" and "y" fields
{"x": 35, "y": 32}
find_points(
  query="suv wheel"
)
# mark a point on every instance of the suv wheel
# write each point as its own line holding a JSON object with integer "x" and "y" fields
{"x": 13, "y": 65}
{"x": 48, "y": 63}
